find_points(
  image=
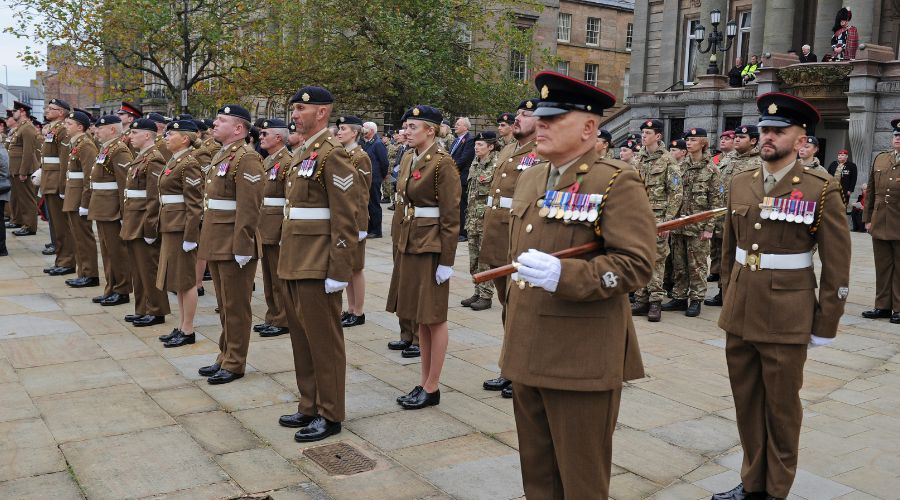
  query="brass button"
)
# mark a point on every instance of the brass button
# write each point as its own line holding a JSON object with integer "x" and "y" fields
{"x": 733, "y": 212}
{"x": 509, "y": 160}
{"x": 528, "y": 228}
{"x": 209, "y": 181}
{"x": 754, "y": 247}
{"x": 498, "y": 191}
{"x": 504, "y": 175}
{"x": 757, "y": 226}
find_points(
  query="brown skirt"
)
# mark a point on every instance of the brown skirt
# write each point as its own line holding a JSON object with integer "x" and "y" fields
{"x": 414, "y": 294}
{"x": 359, "y": 258}
{"x": 177, "y": 268}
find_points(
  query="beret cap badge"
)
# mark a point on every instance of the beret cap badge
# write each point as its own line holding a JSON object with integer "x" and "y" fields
{"x": 175, "y": 125}
{"x": 529, "y": 105}
{"x": 415, "y": 112}
{"x": 227, "y": 109}
{"x": 305, "y": 97}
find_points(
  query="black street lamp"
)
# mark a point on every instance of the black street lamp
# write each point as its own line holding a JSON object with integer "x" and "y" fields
{"x": 716, "y": 39}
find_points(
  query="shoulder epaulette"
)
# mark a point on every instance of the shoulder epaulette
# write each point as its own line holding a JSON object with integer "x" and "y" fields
{"x": 815, "y": 172}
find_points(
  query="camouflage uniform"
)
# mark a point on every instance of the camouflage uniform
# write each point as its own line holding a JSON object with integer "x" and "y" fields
{"x": 726, "y": 169}
{"x": 387, "y": 187}
{"x": 746, "y": 161}
{"x": 503, "y": 142}
{"x": 703, "y": 190}
{"x": 481, "y": 173}
{"x": 814, "y": 165}
{"x": 662, "y": 177}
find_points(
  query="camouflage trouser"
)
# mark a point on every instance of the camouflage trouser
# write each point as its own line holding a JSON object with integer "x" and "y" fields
{"x": 484, "y": 290}
{"x": 387, "y": 190}
{"x": 689, "y": 254}
{"x": 715, "y": 255}
{"x": 654, "y": 291}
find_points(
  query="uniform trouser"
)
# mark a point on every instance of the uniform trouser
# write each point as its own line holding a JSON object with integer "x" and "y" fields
{"x": 483, "y": 290}
{"x": 715, "y": 255}
{"x": 234, "y": 285}
{"x": 144, "y": 258}
{"x": 500, "y": 285}
{"x": 115, "y": 257}
{"x": 314, "y": 318}
{"x": 24, "y": 203}
{"x": 565, "y": 441}
{"x": 689, "y": 267}
{"x": 409, "y": 330}
{"x": 65, "y": 244}
{"x": 654, "y": 291}
{"x": 85, "y": 245}
{"x": 765, "y": 382}
{"x": 887, "y": 274}
{"x": 387, "y": 190}
{"x": 274, "y": 287}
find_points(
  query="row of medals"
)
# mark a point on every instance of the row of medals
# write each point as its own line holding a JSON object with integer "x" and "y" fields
{"x": 569, "y": 206}
{"x": 789, "y": 210}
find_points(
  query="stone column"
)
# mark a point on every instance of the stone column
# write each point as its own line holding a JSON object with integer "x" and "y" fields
{"x": 757, "y": 27}
{"x": 862, "y": 102}
{"x": 866, "y": 18}
{"x": 779, "y": 31}
{"x": 638, "y": 68}
{"x": 825, "y": 13}
{"x": 668, "y": 72}
{"x": 705, "y": 8}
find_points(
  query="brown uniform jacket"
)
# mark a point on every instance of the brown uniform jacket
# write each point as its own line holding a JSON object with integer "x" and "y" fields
{"x": 205, "y": 152}
{"x": 181, "y": 175}
{"x": 362, "y": 165}
{"x": 24, "y": 150}
{"x": 400, "y": 208}
{"x": 320, "y": 248}
{"x": 81, "y": 160}
{"x": 141, "y": 216}
{"x": 777, "y": 305}
{"x": 883, "y": 198}
{"x": 495, "y": 239}
{"x": 160, "y": 144}
{"x": 589, "y": 313}
{"x": 111, "y": 166}
{"x": 276, "y": 166}
{"x": 55, "y": 145}
{"x": 433, "y": 182}
{"x": 226, "y": 233}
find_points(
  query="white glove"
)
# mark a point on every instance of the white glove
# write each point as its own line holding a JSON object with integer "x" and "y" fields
{"x": 242, "y": 260}
{"x": 36, "y": 177}
{"x": 540, "y": 269}
{"x": 82, "y": 211}
{"x": 150, "y": 241}
{"x": 62, "y": 196}
{"x": 442, "y": 274}
{"x": 332, "y": 286}
{"x": 362, "y": 235}
{"x": 819, "y": 341}
{"x": 187, "y": 246}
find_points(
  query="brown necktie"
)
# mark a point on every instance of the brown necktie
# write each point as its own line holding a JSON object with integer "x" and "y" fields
{"x": 551, "y": 180}
{"x": 770, "y": 183}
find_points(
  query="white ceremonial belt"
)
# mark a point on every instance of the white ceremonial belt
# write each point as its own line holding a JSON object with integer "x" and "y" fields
{"x": 51, "y": 160}
{"x": 505, "y": 202}
{"x": 427, "y": 212}
{"x": 168, "y": 199}
{"x": 74, "y": 175}
{"x": 135, "y": 193}
{"x": 274, "y": 202}
{"x": 221, "y": 204}
{"x": 104, "y": 186}
{"x": 300, "y": 213}
{"x": 773, "y": 260}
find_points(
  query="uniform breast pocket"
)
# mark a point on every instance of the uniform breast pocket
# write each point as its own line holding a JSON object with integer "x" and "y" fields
{"x": 297, "y": 190}
{"x": 699, "y": 194}
{"x": 739, "y": 222}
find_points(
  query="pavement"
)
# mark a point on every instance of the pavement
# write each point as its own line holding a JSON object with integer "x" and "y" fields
{"x": 91, "y": 407}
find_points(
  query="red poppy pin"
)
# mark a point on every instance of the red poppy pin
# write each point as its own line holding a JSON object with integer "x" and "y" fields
{"x": 480, "y": 178}
{"x": 75, "y": 151}
{"x": 416, "y": 175}
{"x": 796, "y": 194}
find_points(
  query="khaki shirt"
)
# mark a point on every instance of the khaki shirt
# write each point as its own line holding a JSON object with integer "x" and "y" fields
{"x": 883, "y": 197}
{"x": 141, "y": 216}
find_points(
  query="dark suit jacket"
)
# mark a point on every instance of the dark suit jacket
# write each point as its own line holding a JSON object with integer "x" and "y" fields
{"x": 463, "y": 155}
{"x": 807, "y": 59}
{"x": 378, "y": 154}
{"x": 848, "y": 180}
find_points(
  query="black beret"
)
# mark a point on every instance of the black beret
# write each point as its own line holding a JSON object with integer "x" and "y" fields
{"x": 632, "y": 145}
{"x": 349, "y": 120}
{"x": 22, "y": 105}
{"x": 131, "y": 109}
{"x": 158, "y": 118}
{"x": 9, "y": 113}
{"x": 185, "y": 116}
{"x": 783, "y": 110}
{"x": 81, "y": 117}
{"x": 273, "y": 123}
{"x": 235, "y": 110}
{"x": 678, "y": 143}
{"x": 207, "y": 122}
{"x": 811, "y": 139}
{"x": 86, "y": 112}
{"x": 143, "y": 124}
{"x": 405, "y": 116}
{"x": 486, "y": 136}
{"x": 895, "y": 124}
{"x": 59, "y": 102}
{"x": 259, "y": 121}
{"x": 200, "y": 125}
{"x": 312, "y": 95}
{"x": 182, "y": 126}
{"x": 634, "y": 136}
{"x": 561, "y": 94}
{"x": 604, "y": 134}
{"x": 529, "y": 104}
{"x": 508, "y": 118}
{"x": 750, "y": 130}
{"x": 426, "y": 114}
{"x": 653, "y": 124}
{"x": 695, "y": 132}
{"x": 109, "y": 120}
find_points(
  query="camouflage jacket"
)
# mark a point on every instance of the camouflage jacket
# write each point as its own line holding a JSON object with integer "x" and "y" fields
{"x": 481, "y": 173}
{"x": 815, "y": 165}
{"x": 662, "y": 178}
{"x": 746, "y": 161}
{"x": 703, "y": 190}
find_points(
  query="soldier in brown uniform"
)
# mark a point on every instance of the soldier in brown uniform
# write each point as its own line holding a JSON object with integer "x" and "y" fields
{"x": 514, "y": 159}
{"x": 127, "y": 114}
{"x": 55, "y": 157}
{"x": 82, "y": 155}
{"x": 231, "y": 203}
{"x": 566, "y": 409}
{"x": 882, "y": 218}
{"x": 776, "y": 215}
{"x": 106, "y": 198}
{"x": 273, "y": 137}
{"x": 318, "y": 240}
{"x": 430, "y": 188}
{"x": 505, "y": 123}
{"x": 160, "y": 121}
{"x": 349, "y": 130}
{"x": 24, "y": 159}
{"x": 180, "y": 189}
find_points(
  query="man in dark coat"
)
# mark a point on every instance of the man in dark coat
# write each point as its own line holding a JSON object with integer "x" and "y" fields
{"x": 845, "y": 171}
{"x": 462, "y": 150}
{"x": 377, "y": 152}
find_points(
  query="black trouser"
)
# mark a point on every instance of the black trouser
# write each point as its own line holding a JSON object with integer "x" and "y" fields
{"x": 375, "y": 208}
{"x": 3, "y": 232}
{"x": 463, "y": 204}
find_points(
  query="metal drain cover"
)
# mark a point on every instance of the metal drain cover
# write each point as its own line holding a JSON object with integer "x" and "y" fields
{"x": 340, "y": 459}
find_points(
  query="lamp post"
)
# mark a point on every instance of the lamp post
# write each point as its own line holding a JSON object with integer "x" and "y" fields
{"x": 717, "y": 41}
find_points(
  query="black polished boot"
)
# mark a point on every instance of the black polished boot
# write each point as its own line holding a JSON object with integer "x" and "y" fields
{"x": 693, "y": 309}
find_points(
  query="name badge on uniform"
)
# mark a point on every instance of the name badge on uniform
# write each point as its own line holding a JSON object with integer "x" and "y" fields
{"x": 527, "y": 161}
{"x": 49, "y": 137}
{"x": 222, "y": 170}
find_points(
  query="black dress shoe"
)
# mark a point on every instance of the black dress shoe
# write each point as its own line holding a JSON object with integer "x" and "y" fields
{"x": 354, "y": 320}
{"x": 23, "y": 232}
{"x": 149, "y": 320}
{"x": 180, "y": 339}
{"x": 207, "y": 276}
{"x": 506, "y": 393}
{"x": 411, "y": 394}
{"x": 422, "y": 399}
{"x": 11, "y": 225}
{"x": 224, "y": 376}
{"x": 100, "y": 298}
{"x": 84, "y": 282}
{"x": 693, "y": 309}
{"x": 317, "y": 430}
{"x": 895, "y": 318}
{"x": 496, "y": 384}
{"x": 260, "y": 327}
{"x": 374, "y": 236}
{"x": 675, "y": 305}
{"x": 115, "y": 299}
{"x": 48, "y": 245}
{"x": 399, "y": 345}
{"x": 295, "y": 420}
{"x": 712, "y": 277}
{"x": 274, "y": 331}
{"x": 200, "y": 291}
{"x": 208, "y": 371}
{"x": 131, "y": 317}
{"x": 411, "y": 352}
{"x": 462, "y": 238}
{"x": 47, "y": 270}
{"x": 344, "y": 315}
{"x": 392, "y": 207}
{"x": 877, "y": 313}
{"x": 62, "y": 271}
{"x": 738, "y": 493}
{"x": 51, "y": 250}
{"x": 171, "y": 335}
{"x": 715, "y": 300}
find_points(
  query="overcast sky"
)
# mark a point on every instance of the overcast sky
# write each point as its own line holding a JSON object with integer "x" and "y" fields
{"x": 15, "y": 69}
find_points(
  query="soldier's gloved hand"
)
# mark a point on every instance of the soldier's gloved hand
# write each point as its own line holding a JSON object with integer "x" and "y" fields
{"x": 540, "y": 269}
{"x": 362, "y": 235}
{"x": 187, "y": 246}
{"x": 82, "y": 211}
{"x": 62, "y": 196}
{"x": 242, "y": 260}
{"x": 332, "y": 286}
{"x": 150, "y": 241}
{"x": 819, "y": 341}
{"x": 442, "y": 274}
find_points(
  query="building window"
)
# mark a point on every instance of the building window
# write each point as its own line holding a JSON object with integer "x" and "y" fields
{"x": 629, "y": 36}
{"x": 590, "y": 73}
{"x": 676, "y": 127}
{"x": 518, "y": 66}
{"x": 592, "y": 36}
{"x": 562, "y": 67}
{"x": 691, "y": 52}
{"x": 625, "y": 86}
{"x": 564, "y": 27}
{"x": 743, "y": 38}
{"x": 732, "y": 122}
